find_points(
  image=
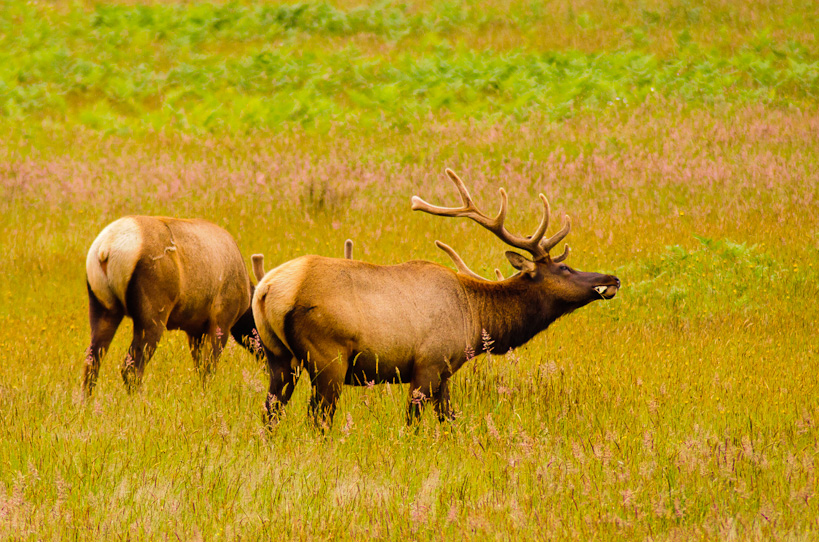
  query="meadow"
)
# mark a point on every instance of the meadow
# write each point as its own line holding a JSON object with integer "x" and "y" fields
{"x": 681, "y": 136}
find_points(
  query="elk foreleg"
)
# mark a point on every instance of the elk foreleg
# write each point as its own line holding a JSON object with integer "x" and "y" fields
{"x": 245, "y": 333}
{"x": 104, "y": 324}
{"x": 196, "y": 341}
{"x": 206, "y": 347}
{"x": 424, "y": 386}
{"x": 440, "y": 398}
{"x": 218, "y": 336}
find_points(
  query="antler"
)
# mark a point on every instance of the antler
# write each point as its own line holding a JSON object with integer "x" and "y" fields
{"x": 458, "y": 261}
{"x": 533, "y": 244}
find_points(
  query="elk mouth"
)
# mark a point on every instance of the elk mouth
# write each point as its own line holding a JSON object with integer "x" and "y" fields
{"x": 607, "y": 291}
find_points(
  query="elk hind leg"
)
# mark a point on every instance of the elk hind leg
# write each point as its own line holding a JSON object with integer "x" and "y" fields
{"x": 104, "y": 324}
{"x": 328, "y": 369}
{"x": 283, "y": 380}
{"x": 142, "y": 348}
{"x": 326, "y": 391}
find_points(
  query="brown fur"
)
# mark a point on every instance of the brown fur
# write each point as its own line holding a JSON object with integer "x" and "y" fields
{"x": 164, "y": 273}
{"x": 350, "y": 322}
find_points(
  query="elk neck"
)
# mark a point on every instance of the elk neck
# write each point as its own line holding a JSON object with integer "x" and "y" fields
{"x": 510, "y": 311}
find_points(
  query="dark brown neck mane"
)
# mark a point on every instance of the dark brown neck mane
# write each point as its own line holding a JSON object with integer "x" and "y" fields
{"x": 510, "y": 311}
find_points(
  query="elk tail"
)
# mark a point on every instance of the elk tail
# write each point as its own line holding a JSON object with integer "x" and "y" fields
{"x": 111, "y": 261}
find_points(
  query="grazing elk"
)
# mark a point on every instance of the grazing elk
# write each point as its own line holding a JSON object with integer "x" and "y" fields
{"x": 166, "y": 273}
{"x": 350, "y": 322}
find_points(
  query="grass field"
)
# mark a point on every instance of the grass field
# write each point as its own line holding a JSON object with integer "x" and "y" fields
{"x": 681, "y": 136}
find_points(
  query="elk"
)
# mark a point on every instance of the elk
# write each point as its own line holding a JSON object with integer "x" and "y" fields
{"x": 257, "y": 261}
{"x": 166, "y": 273}
{"x": 356, "y": 323}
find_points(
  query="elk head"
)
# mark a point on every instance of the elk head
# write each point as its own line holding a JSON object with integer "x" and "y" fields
{"x": 567, "y": 287}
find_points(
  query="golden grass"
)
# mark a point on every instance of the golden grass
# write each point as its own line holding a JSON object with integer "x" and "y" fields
{"x": 684, "y": 408}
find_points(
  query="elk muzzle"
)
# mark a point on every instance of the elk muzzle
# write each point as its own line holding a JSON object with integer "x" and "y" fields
{"x": 607, "y": 291}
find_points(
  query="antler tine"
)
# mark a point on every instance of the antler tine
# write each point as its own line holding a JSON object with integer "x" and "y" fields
{"x": 501, "y": 216}
{"x": 549, "y": 244}
{"x": 544, "y": 222}
{"x": 563, "y": 256}
{"x": 459, "y": 184}
{"x": 468, "y": 209}
{"x": 498, "y": 274}
{"x": 458, "y": 261}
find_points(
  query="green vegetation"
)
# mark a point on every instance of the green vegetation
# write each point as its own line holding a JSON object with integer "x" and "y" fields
{"x": 685, "y": 408}
{"x": 242, "y": 68}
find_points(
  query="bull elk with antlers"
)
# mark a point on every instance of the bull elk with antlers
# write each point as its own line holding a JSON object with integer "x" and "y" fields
{"x": 350, "y": 322}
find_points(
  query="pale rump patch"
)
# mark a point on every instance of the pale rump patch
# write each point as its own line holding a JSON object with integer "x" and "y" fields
{"x": 118, "y": 247}
{"x": 279, "y": 289}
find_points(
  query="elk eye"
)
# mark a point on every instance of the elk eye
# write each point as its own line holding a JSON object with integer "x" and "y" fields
{"x": 564, "y": 268}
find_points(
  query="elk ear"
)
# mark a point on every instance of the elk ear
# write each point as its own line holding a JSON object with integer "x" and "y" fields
{"x": 521, "y": 263}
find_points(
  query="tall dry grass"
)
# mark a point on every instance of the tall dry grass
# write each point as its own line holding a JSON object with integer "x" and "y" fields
{"x": 686, "y": 407}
